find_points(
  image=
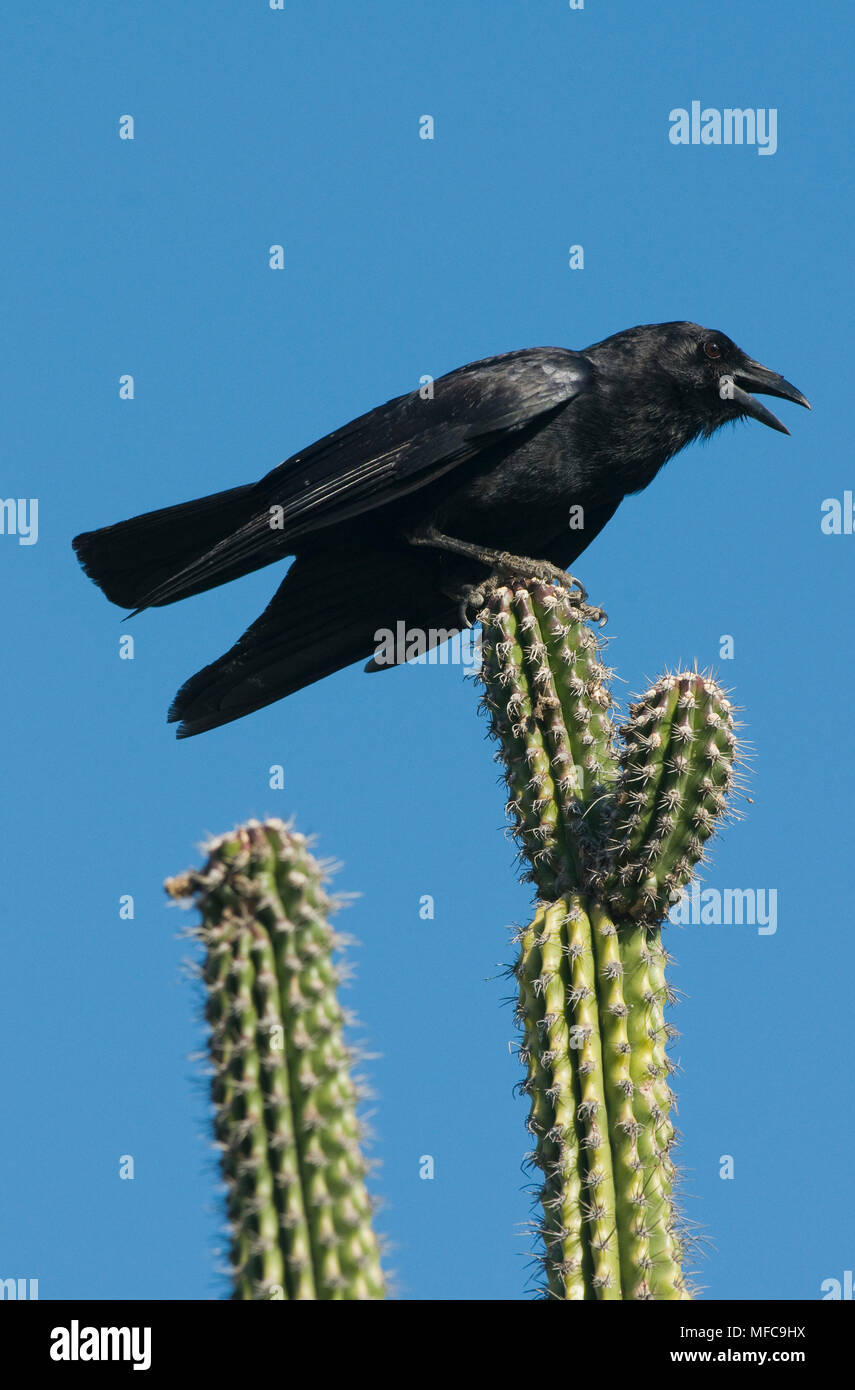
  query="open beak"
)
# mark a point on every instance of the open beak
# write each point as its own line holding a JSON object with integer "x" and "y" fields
{"x": 753, "y": 377}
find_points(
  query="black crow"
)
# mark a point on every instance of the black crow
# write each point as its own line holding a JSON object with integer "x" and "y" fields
{"x": 507, "y": 467}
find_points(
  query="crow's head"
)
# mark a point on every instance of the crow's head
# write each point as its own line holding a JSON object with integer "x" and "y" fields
{"x": 706, "y": 378}
{"x": 727, "y": 376}
{"x": 718, "y": 377}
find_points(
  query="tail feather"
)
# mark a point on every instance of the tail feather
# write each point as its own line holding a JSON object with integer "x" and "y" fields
{"x": 323, "y": 617}
{"x": 130, "y": 560}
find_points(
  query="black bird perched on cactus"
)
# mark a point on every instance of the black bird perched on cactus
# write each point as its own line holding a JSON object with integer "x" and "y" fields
{"x": 508, "y": 466}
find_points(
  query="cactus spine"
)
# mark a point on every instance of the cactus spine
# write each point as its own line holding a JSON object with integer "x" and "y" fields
{"x": 284, "y": 1098}
{"x": 612, "y": 824}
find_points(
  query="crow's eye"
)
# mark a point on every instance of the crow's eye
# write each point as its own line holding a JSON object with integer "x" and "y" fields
{"x": 712, "y": 348}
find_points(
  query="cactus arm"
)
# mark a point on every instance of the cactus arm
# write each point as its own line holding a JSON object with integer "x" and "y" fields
{"x": 552, "y": 1087}
{"x": 284, "y": 1098}
{"x": 610, "y": 833}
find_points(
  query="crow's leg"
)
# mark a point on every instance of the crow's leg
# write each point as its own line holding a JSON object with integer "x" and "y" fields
{"x": 501, "y": 562}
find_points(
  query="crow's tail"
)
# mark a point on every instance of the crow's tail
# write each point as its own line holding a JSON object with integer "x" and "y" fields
{"x": 326, "y": 614}
{"x": 130, "y": 560}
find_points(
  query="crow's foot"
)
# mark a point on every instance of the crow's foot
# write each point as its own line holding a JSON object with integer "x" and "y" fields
{"x": 505, "y": 566}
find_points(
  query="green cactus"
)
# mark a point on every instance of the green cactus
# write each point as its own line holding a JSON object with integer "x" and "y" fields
{"x": 676, "y": 770}
{"x": 285, "y": 1101}
{"x": 612, "y": 824}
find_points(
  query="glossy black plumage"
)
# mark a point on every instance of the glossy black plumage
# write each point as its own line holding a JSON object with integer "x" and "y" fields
{"x": 496, "y": 456}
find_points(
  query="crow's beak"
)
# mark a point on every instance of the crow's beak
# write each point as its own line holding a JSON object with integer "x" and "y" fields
{"x": 756, "y": 378}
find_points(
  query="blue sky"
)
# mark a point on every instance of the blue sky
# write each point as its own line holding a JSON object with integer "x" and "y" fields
{"x": 404, "y": 257}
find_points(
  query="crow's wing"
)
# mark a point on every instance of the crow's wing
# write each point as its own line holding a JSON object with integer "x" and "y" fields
{"x": 394, "y": 450}
{"x": 327, "y": 612}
